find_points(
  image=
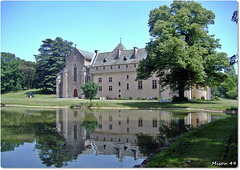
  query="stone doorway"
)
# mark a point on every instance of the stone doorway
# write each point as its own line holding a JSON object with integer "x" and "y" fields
{"x": 75, "y": 93}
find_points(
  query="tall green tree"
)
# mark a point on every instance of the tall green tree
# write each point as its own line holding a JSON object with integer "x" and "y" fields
{"x": 10, "y": 74}
{"x": 90, "y": 90}
{"x": 50, "y": 62}
{"x": 181, "y": 52}
{"x": 229, "y": 87}
{"x": 28, "y": 68}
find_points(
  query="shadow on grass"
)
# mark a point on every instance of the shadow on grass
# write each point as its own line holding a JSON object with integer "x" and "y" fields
{"x": 39, "y": 92}
{"x": 184, "y": 104}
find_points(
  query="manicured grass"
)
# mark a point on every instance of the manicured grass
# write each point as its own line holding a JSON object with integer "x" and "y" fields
{"x": 207, "y": 146}
{"x": 19, "y": 98}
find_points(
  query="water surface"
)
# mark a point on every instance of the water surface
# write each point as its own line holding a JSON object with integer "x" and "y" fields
{"x": 81, "y": 138}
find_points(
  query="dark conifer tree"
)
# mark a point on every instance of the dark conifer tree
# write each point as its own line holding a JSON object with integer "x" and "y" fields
{"x": 50, "y": 62}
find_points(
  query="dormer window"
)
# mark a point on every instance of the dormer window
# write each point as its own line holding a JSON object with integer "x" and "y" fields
{"x": 125, "y": 58}
{"x": 104, "y": 60}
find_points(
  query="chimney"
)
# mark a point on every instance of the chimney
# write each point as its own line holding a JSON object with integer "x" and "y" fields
{"x": 135, "y": 51}
{"x": 94, "y": 57}
{"x": 97, "y": 52}
{"x": 118, "y": 53}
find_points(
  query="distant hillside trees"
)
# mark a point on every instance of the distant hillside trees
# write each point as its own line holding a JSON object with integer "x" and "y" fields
{"x": 15, "y": 73}
{"x": 50, "y": 62}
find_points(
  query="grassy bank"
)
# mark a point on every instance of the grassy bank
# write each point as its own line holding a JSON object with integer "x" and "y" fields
{"x": 212, "y": 145}
{"x": 19, "y": 98}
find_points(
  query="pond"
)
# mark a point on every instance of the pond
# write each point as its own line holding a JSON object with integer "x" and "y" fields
{"x": 88, "y": 139}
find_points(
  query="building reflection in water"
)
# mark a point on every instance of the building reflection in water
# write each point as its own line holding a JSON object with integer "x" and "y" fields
{"x": 117, "y": 129}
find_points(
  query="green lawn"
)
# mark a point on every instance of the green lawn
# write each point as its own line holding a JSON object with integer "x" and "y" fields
{"x": 212, "y": 145}
{"x": 19, "y": 98}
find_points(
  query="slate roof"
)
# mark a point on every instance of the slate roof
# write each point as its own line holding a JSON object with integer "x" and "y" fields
{"x": 126, "y": 56}
{"x": 86, "y": 54}
{"x": 119, "y": 46}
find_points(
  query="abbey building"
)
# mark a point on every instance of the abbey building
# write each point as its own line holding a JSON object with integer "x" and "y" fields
{"x": 115, "y": 73}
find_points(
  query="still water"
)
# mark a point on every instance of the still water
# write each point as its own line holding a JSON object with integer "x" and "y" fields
{"x": 81, "y": 138}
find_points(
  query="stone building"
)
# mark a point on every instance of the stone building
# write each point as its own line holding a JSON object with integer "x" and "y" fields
{"x": 115, "y": 73}
{"x": 74, "y": 75}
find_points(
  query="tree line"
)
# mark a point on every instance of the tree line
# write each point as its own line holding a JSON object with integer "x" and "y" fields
{"x": 19, "y": 74}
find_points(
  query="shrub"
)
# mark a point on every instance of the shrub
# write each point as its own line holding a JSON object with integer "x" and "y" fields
{"x": 72, "y": 105}
{"x": 130, "y": 98}
{"x": 156, "y": 98}
{"x": 203, "y": 98}
{"x": 198, "y": 99}
{"x": 143, "y": 98}
{"x": 232, "y": 108}
{"x": 107, "y": 97}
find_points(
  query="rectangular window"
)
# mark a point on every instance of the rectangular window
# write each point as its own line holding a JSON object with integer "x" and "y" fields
{"x": 96, "y": 68}
{"x": 119, "y": 66}
{"x": 75, "y": 132}
{"x": 154, "y": 84}
{"x": 154, "y": 122}
{"x": 110, "y": 127}
{"x": 127, "y": 76}
{"x": 127, "y": 86}
{"x": 140, "y": 122}
{"x": 135, "y": 65}
{"x": 110, "y": 79}
{"x": 110, "y": 118}
{"x": 100, "y": 126}
{"x": 100, "y": 80}
{"x": 75, "y": 73}
{"x": 110, "y": 88}
{"x": 104, "y": 68}
{"x": 88, "y": 79}
{"x": 139, "y": 84}
{"x": 119, "y": 83}
{"x": 111, "y": 67}
{"x": 126, "y": 66}
{"x": 100, "y": 117}
{"x": 127, "y": 120}
{"x": 100, "y": 88}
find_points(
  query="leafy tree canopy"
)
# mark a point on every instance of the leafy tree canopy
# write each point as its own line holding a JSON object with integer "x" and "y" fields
{"x": 28, "y": 68}
{"x": 90, "y": 90}
{"x": 181, "y": 52}
{"x": 50, "y": 62}
{"x": 10, "y": 74}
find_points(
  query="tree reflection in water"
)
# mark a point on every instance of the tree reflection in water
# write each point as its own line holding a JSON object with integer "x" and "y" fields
{"x": 39, "y": 126}
{"x": 149, "y": 144}
{"x": 90, "y": 122}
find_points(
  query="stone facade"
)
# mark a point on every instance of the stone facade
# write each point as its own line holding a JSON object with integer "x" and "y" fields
{"x": 115, "y": 73}
{"x": 74, "y": 75}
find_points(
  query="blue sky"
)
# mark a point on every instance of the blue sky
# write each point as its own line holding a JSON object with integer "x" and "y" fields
{"x": 96, "y": 25}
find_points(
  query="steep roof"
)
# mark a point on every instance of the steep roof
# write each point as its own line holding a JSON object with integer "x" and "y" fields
{"x": 126, "y": 56}
{"x": 86, "y": 54}
{"x": 120, "y": 46}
